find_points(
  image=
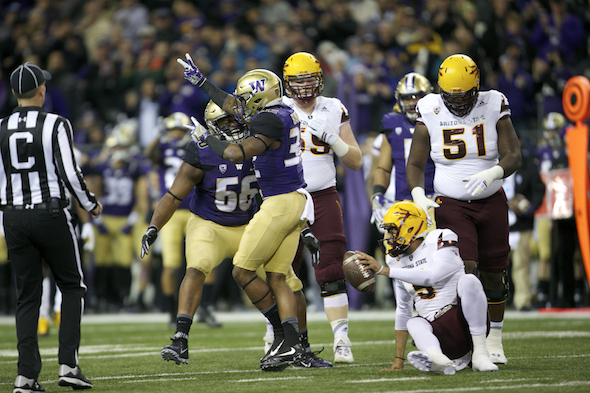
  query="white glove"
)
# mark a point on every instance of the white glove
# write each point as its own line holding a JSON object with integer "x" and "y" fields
{"x": 87, "y": 234}
{"x": 191, "y": 71}
{"x": 198, "y": 132}
{"x": 319, "y": 127}
{"x": 380, "y": 205}
{"x": 420, "y": 199}
{"x": 478, "y": 183}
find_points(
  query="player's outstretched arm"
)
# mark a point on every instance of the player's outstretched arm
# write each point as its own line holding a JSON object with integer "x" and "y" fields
{"x": 192, "y": 74}
{"x": 401, "y": 339}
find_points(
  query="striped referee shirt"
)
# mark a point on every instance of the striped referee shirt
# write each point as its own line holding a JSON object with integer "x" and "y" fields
{"x": 38, "y": 163}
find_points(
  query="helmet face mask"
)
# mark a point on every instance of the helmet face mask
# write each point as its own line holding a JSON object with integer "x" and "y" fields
{"x": 404, "y": 222}
{"x": 254, "y": 91}
{"x": 410, "y": 89}
{"x": 458, "y": 79}
{"x": 303, "y": 77}
{"x": 222, "y": 124}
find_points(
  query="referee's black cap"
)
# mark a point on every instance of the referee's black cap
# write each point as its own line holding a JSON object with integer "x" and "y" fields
{"x": 27, "y": 77}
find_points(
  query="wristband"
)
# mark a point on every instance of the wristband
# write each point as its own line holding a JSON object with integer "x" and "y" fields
{"x": 380, "y": 269}
{"x": 397, "y": 357}
{"x": 340, "y": 147}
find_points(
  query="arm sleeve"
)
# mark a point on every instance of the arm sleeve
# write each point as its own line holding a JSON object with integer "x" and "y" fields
{"x": 267, "y": 124}
{"x": 404, "y": 306}
{"x": 69, "y": 171}
{"x": 192, "y": 157}
{"x": 442, "y": 266}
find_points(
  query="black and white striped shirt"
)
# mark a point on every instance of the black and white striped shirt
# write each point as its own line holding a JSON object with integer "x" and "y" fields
{"x": 38, "y": 159}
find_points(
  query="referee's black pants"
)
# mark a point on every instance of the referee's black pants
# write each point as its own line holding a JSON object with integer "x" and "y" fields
{"x": 33, "y": 235}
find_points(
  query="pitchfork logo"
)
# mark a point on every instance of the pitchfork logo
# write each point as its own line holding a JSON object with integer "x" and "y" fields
{"x": 257, "y": 86}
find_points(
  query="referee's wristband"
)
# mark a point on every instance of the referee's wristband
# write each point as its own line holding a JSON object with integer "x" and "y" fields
{"x": 340, "y": 147}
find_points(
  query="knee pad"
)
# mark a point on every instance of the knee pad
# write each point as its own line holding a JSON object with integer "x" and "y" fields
{"x": 498, "y": 296}
{"x": 334, "y": 288}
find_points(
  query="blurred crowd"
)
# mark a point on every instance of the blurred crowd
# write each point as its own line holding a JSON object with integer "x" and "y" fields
{"x": 114, "y": 61}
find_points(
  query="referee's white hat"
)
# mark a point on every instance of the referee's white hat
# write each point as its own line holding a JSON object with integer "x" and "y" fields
{"x": 27, "y": 77}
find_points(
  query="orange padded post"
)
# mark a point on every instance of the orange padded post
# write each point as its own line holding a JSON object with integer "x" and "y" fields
{"x": 576, "y": 104}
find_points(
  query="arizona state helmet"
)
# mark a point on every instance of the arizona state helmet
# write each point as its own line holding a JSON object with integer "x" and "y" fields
{"x": 302, "y": 65}
{"x": 458, "y": 79}
{"x": 224, "y": 125}
{"x": 410, "y": 89}
{"x": 256, "y": 89}
{"x": 405, "y": 221}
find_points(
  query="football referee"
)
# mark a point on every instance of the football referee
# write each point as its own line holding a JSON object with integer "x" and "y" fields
{"x": 37, "y": 165}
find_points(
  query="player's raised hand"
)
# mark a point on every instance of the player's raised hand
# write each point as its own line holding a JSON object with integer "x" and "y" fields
{"x": 198, "y": 131}
{"x": 191, "y": 71}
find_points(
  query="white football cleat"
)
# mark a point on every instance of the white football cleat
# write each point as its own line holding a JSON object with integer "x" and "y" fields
{"x": 495, "y": 348}
{"x": 423, "y": 362}
{"x": 342, "y": 352}
{"x": 482, "y": 362}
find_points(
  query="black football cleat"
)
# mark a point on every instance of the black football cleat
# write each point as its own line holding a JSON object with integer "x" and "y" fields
{"x": 73, "y": 377}
{"x": 178, "y": 350}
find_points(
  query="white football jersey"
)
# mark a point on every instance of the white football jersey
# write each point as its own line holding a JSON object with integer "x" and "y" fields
{"x": 463, "y": 146}
{"x": 430, "y": 299}
{"x": 319, "y": 169}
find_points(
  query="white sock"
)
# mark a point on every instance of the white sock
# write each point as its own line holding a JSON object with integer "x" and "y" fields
{"x": 269, "y": 329}
{"x": 340, "y": 327}
{"x": 473, "y": 303}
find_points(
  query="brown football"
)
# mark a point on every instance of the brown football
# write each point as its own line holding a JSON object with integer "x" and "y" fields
{"x": 363, "y": 281}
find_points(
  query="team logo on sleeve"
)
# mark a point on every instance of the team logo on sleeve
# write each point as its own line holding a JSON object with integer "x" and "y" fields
{"x": 222, "y": 168}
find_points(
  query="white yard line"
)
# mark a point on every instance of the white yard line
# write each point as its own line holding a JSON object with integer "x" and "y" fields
{"x": 501, "y": 387}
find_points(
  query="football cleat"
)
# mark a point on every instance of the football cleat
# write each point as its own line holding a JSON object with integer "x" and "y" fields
{"x": 279, "y": 358}
{"x": 342, "y": 351}
{"x": 43, "y": 327}
{"x": 421, "y": 361}
{"x": 311, "y": 360}
{"x": 23, "y": 384}
{"x": 178, "y": 350}
{"x": 480, "y": 361}
{"x": 73, "y": 377}
{"x": 495, "y": 348}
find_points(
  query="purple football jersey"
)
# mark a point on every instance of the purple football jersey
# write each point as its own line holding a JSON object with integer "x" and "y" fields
{"x": 168, "y": 165}
{"x": 399, "y": 131}
{"x": 118, "y": 194}
{"x": 225, "y": 193}
{"x": 280, "y": 171}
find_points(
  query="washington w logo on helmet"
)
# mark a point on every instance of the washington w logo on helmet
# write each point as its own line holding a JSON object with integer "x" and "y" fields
{"x": 257, "y": 86}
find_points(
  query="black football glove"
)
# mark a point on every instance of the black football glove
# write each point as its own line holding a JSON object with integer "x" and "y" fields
{"x": 148, "y": 239}
{"x": 312, "y": 244}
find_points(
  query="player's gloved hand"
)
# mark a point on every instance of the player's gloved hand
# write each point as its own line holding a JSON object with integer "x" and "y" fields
{"x": 318, "y": 126}
{"x": 191, "y": 72}
{"x": 478, "y": 183}
{"x": 312, "y": 244}
{"x": 198, "y": 132}
{"x": 148, "y": 239}
{"x": 87, "y": 234}
{"x": 378, "y": 204}
{"x": 131, "y": 221}
{"x": 420, "y": 199}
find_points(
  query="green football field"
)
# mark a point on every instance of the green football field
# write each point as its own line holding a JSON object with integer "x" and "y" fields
{"x": 121, "y": 353}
